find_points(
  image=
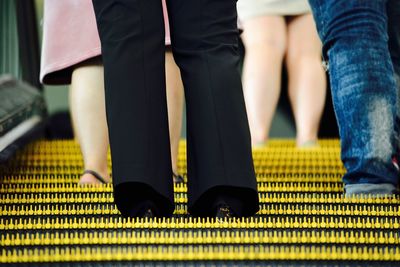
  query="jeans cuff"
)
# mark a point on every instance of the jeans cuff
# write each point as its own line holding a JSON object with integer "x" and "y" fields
{"x": 373, "y": 190}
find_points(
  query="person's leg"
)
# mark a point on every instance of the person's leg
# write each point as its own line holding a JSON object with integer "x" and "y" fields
{"x": 89, "y": 118}
{"x": 264, "y": 39}
{"x": 307, "y": 80}
{"x": 133, "y": 48}
{"x": 393, "y": 8}
{"x": 205, "y": 46}
{"x": 354, "y": 35}
{"x": 175, "y": 106}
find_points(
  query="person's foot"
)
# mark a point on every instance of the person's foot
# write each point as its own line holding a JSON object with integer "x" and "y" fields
{"x": 145, "y": 209}
{"x": 148, "y": 213}
{"x": 308, "y": 144}
{"x": 260, "y": 144}
{"x": 224, "y": 212}
{"x": 372, "y": 190}
{"x": 177, "y": 178}
{"x": 90, "y": 177}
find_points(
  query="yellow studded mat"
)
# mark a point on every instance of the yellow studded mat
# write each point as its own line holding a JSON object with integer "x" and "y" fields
{"x": 304, "y": 220}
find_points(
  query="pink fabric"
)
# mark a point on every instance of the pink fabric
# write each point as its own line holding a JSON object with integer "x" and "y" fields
{"x": 166, "y": 23}
{"x": 70, "y": 36}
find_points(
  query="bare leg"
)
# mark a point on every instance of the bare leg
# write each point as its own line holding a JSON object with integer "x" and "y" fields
{"x": 89, "y": 119}
{"x": 175, "y": 106}
{"x": 265, "y": 42}
{"x": 307, "y": 80}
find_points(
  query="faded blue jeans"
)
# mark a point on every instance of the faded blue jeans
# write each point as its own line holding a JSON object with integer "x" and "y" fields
{"x": 393, "y": 10}
{"x": 355, "y": 46}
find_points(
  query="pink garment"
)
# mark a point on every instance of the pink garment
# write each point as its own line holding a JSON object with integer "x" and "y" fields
{"x": 166, "y": 23}
{"x": 70, "y": 37}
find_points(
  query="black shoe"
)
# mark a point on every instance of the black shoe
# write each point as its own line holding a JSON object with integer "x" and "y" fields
{"x": 224, "y": 212}
{"x": 147, "y": 211}
{"x": 148, "y": 214}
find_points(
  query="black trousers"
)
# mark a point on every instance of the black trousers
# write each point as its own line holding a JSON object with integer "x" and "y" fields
{"x": 205, "y": 47}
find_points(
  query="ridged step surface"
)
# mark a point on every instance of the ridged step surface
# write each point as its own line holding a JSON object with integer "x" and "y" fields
{"x": 304, "y": 219}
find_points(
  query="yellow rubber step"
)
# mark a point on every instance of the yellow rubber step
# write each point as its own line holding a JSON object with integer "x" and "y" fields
{"x": 46, "y": 217}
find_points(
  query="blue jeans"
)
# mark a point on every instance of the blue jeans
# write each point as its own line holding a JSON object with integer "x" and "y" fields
{"x": 355, "y": 45}
{"x": 393, "y": 9}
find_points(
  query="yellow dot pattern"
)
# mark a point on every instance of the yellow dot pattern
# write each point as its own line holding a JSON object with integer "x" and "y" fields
{"x": 46, "y": 217}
